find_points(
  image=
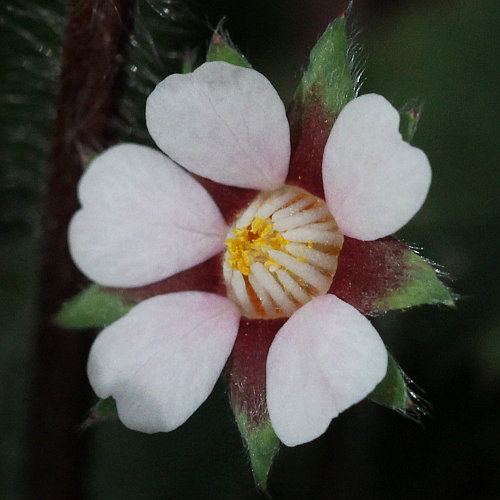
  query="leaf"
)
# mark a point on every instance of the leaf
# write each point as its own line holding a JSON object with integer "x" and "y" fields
{"x": 392, "y": 391}
{"x": 223, "y": 49}
{"x": 410, "y": 115}
{"x": 385, "y": 274}
{"x": 94, "y": 307}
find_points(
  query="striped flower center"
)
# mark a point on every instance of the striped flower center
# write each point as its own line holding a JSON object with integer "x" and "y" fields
{"x": 280, "y": 253}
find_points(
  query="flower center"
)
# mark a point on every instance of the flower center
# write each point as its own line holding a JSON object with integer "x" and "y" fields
{"x": 280, "y": 253}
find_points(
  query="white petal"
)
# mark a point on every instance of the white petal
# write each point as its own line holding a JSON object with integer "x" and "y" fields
{"x": 374, "y": 181}
{"x": 324, "y": 359}
{"x": 162, "y": 360}
{"x": 222, "y": 122}
{"x": 143, "y": 219}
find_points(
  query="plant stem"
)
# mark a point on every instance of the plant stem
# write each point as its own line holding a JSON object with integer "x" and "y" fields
{"x": 91, "y": 74}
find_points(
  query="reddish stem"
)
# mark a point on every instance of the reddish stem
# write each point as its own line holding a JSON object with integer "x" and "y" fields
{"x": 91, "y": 74}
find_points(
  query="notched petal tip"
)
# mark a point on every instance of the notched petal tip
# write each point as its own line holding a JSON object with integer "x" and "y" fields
{"x": 337, "y": 357}
{"x": 162, "y": 360}
{"x": 143, "y": 219}
{"x": 374, "y": 181}
{"x": 223, "y": 122}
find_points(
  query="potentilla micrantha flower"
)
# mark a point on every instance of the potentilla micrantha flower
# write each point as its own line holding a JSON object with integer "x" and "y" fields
{"x": 273, "y": 249}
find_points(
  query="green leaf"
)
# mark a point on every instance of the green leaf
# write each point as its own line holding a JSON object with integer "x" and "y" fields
{"x": 94, "y": 307}
{"x": 262, "y": 444}
{"x": 328, "y": 76}
{"x": 420, "y": 286}
{"x": 392, "y": 391}
{"x": 410, "y": 115}
{"x": 223, "y": 49}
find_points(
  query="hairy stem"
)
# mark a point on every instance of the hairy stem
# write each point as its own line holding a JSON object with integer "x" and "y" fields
{"x": 91, "y": 75}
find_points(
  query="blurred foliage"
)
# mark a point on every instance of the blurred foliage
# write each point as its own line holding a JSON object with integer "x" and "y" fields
{"x": 30, "y": 47}
{"x": 446, "y": 52}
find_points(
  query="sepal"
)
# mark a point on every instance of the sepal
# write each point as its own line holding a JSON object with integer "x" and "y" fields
{"x": 398, "y": 392}
{"x": 245, "y": 373}
{"x": 94, "y": 307}
{"x": 410, "y": 115}
{"x": 104, "y": 409}
{"x": 420, "y": 285}
{"x": 326, "y": 87}
{"x": 328, "y": 77}
{"x": 221, "y": 48}
{"x": 392, "y": 390}
{"x": 262, "y": 445}
{"x": 385, "y": 274}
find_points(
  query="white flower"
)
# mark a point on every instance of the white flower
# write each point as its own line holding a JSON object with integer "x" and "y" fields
{"x": 144, "y": 219}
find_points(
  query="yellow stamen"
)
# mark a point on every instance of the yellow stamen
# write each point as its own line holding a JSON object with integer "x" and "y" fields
{"x": 270, "y": 272}
{"x": 252, "y": 244}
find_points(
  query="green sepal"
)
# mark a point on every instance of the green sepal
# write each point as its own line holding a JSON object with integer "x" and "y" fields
{"x": 92, "y": 308}
{"x": 262, "y": 444}
{"x": 410, "y": 115}
{"x": 420, "y": 286}
{"x": 328, "y": 77}
{"x": 104, "y": 408}
{"x": 385, "y": 274}
{"x": 223, "y": 49}
{"x": 188, "y": 62}
{"x": 88, "y": 161}
{"x": 392, "y": 390}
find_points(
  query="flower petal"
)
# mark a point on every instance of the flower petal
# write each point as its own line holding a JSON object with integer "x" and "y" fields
{"x": 162, "y": 360}
{"x": 143, "y": 219}
{"x": 374, "y": 182}
{"x": 324, "y": 359}
{"x": 223, "y": 122}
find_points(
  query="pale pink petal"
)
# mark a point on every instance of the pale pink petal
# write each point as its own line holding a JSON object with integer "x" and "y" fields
{"x": 324, "y": 359}
{"x": 162, "y": 360}
{"x": 374, "y": 181}
{"x": 143, "y": 219}
{"x": 222, "y": 122}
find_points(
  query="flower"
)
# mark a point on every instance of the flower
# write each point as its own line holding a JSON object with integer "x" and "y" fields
{"x": 145, "y": 219}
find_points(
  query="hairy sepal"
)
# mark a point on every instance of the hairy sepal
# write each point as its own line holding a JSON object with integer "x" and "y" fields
{"x": 392, "y": 390}
{"x": 221, "y": 48}
{"x": 385, "y": 274}
{"x": 262, "y": 445}
{"x": 245, "y": 373}
{"x": 328, "y": 76}
{"x": 398, "y": 392}
{"x": 326, "y": 87}
{"x": 104, "y": 409}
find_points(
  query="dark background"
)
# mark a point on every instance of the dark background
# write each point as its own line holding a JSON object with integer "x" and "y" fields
{"x": 444, "y": 51}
